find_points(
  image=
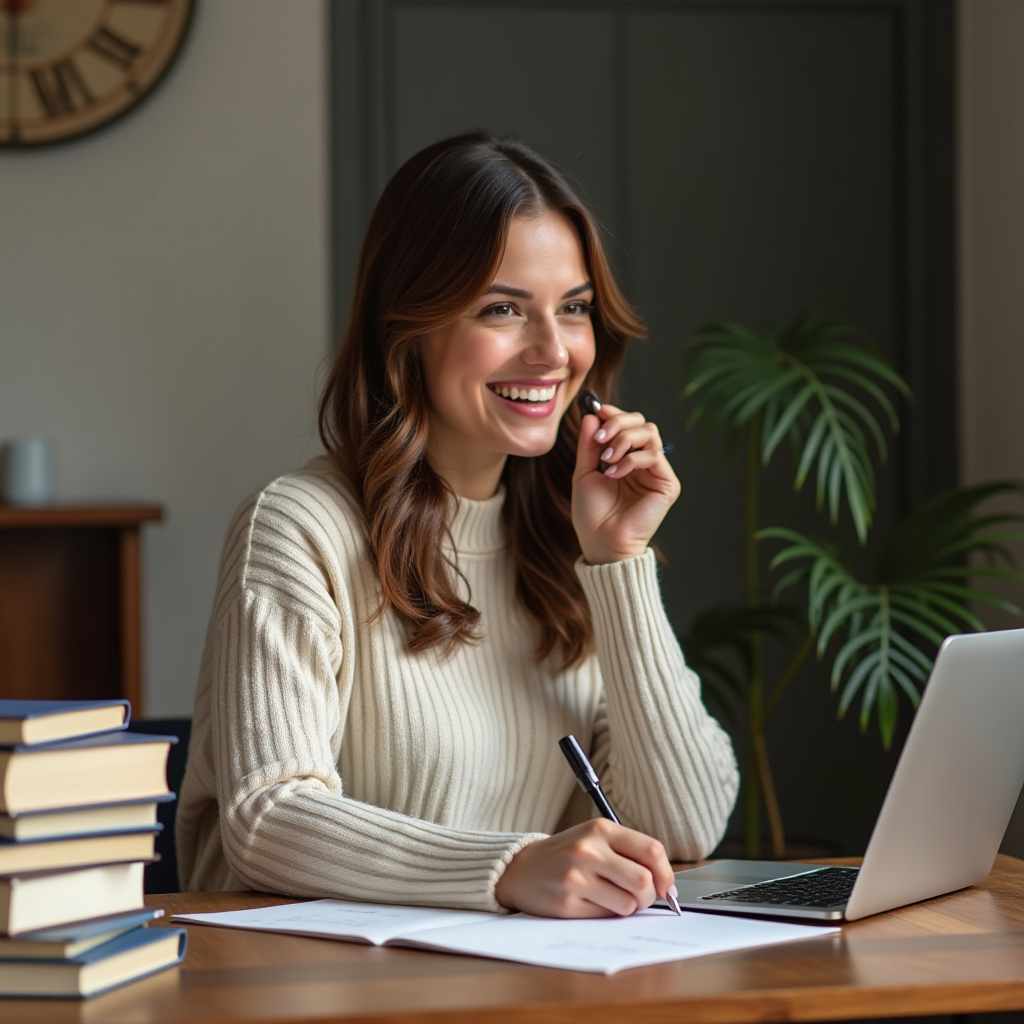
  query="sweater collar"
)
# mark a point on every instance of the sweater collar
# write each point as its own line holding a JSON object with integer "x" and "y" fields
{"x": 476, "y": 526}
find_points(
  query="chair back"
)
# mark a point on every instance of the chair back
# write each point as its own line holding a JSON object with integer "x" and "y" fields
{"x": 162, "y": 875}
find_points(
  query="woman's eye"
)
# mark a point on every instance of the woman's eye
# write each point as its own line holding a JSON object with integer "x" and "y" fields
{"x": 577, "y": 308}
{"x": 499, "y": 309}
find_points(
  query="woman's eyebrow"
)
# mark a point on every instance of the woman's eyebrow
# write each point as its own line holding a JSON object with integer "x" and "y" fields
{"x": 507, "y": 289}
{"x": 522, "y": 293}
{"x": 578, "y": 290}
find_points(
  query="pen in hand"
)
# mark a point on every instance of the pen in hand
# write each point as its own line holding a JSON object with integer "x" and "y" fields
{"x": 589, "y": 403}
{"x": 591, "y": 785}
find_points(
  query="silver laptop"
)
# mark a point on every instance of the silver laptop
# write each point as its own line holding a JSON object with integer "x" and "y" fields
{"x": 944, "y": 815}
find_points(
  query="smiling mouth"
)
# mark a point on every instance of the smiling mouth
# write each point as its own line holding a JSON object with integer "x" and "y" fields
{"x": 536, "y": 396}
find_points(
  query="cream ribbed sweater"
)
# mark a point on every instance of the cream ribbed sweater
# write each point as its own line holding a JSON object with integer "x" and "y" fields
{"x": 329, "y": 760}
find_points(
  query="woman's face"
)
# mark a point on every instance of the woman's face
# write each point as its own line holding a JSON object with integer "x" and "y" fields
{"x": 500, "y": 378}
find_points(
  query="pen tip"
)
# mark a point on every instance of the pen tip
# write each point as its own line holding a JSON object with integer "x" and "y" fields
{"x": 673, "y": 903}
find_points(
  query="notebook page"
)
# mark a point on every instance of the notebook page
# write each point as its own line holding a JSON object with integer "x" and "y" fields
{"x": 374, "y": 923}
{"x": 612, "y": 944}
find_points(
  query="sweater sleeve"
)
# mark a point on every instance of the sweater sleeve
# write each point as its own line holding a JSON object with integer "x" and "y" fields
{"x": 666, "y": 764}
{"x": 286, "y": 824}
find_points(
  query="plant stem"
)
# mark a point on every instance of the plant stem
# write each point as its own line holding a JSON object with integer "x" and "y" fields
{"x": 752, "y": 832}
{"x": 788, "y": 676}
{"x": 771, "y": 801}
{"x": 753, "y": 469}
{"x": 756, "y": 757}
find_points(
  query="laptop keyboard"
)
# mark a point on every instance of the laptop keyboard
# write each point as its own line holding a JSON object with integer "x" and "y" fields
{"x": 829, "y": 887}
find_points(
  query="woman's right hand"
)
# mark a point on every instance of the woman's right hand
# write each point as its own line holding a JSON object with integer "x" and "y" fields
{"x": 596, "y": 869}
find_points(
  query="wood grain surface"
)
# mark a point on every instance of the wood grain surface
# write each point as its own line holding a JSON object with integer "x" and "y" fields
{"x": 49, "y": 516}
{"x": 70, "y": 602}
{"x": 960, "y": 953}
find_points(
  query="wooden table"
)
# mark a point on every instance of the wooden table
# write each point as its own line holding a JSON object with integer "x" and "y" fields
{"x": 962, "y": 953}
{"x": 70, "y": 618}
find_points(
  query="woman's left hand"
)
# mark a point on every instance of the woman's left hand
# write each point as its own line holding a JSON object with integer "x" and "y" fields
{"x": 615, "y": 512}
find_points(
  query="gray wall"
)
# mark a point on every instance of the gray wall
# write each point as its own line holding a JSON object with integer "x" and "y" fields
{"x": 992, "y": 238}
{"x": 991, "y": 97}
{"x": 164, "y": 301}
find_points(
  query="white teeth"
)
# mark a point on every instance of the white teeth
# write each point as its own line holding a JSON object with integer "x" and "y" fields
{"x": 526, "y": 394}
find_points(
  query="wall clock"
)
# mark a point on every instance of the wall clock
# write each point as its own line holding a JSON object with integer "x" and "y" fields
{"x": 68, "y": 67}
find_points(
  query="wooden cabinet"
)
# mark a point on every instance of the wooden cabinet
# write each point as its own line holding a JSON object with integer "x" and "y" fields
{"x": 70, "y": 614}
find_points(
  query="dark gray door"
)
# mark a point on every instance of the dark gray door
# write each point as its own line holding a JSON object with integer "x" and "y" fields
{"x": 747, "y": 159}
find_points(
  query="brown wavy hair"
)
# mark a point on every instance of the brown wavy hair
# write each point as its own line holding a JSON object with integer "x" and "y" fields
{"x": 433, "y": 245}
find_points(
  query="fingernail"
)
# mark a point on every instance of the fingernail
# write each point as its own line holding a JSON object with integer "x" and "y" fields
{"x": 600, "y": 435}
{"x": 673, "y": 891}
{"x": 610, "y": 471}
{"x": 607, "y": 454}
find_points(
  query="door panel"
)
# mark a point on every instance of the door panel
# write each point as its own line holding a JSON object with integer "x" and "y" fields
{"x": 747, "y": 160}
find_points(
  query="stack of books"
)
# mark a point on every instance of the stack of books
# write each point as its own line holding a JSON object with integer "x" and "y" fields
{"x": 78, "y": 799}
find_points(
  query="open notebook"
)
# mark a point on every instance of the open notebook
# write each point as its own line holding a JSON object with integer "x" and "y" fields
{"x": 603, "y": 946}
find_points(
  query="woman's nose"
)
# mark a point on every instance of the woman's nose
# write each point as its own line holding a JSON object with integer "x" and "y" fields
{"x": 545, "y": 348}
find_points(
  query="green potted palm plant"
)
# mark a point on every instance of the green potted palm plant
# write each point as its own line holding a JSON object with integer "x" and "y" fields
{"x": 819, "y": 389}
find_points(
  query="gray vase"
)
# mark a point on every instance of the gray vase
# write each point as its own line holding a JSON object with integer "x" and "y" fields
{"x": 26, "y": 471}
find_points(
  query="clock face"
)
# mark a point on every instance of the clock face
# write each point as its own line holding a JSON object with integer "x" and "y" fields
{"x": 69, "y": 66}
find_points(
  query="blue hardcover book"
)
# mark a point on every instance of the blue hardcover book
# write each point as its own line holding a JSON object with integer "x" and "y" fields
{"x": 52, "y": 854}
{"x": 102, "y": 769}
{"x": 71, "y": 939}
{"x": 66, "y": 822}
{"x": 35, "y": 900}
{"x": 29, "y": 723}
{"x": 129, "y": 957}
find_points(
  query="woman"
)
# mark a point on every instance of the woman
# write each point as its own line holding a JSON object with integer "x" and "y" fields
{"x": 405, "y": 628}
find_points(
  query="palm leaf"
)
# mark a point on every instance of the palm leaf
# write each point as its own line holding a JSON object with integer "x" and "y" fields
{"x": 819, "y": 383}
{"x": 880, "y": 628}
{"x": 718, "y": 646}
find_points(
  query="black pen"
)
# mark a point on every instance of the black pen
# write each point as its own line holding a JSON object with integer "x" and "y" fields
{"x": 591, "y": 785}
{"x": 589, "y": 403}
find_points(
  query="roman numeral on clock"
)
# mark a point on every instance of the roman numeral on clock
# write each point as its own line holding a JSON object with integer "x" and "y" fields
{"x": 118, "y": 50}
{"x": 60, "y": 88}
